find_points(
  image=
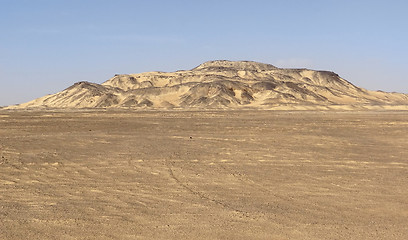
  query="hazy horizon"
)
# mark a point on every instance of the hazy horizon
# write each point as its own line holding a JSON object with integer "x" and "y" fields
{"x": 49, "y": 45}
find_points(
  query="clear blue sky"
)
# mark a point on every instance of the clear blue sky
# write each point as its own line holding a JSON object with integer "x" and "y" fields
{"x": 47, "y": 45}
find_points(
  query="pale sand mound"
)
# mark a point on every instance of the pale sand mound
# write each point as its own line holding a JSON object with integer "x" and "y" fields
{"x": 223, "y": 84}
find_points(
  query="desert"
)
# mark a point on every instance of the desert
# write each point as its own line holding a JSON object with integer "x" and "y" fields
{"x": 227, "y": 150}
{"x": 256, "y": 174}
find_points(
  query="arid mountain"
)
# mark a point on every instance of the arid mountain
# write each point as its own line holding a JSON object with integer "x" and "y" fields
{"x": 222, "y": 84}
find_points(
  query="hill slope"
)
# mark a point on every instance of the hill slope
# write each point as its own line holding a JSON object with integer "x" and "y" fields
{"x": 221, "y": 84}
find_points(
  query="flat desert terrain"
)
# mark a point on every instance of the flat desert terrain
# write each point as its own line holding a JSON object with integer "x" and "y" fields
{"x": 203, "y": 175}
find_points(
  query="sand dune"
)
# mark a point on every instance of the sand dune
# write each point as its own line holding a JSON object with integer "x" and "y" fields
{"x": 223, "y": 84}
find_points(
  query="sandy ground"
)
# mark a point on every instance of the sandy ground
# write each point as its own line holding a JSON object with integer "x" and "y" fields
{"x": 204, "y": 175}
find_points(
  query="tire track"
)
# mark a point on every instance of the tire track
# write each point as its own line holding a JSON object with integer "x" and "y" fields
{"x": 201, "y": 195}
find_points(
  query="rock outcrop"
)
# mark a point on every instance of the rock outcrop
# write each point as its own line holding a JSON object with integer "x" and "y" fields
{"x": 222, "y": 84}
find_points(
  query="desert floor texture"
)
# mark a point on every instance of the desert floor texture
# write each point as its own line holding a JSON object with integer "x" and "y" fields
{"x": 203, "y": 175}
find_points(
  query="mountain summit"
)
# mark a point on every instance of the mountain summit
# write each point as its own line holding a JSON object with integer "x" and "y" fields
{"x": 241, "y": 65}
{"x": 222, "y": 84}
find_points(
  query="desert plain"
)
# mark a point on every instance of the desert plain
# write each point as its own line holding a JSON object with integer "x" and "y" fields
{"x": 222, "y": 174}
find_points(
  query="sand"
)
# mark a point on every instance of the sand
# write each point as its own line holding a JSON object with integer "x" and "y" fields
{"x": 203, "y": 175}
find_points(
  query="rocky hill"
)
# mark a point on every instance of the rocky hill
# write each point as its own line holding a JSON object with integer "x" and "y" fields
{"x": 222, "y": 84}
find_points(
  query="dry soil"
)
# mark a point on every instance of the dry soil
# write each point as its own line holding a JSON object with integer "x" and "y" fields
{"x": 203, "y": 175}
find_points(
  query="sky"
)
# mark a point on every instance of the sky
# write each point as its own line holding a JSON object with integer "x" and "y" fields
{"x": 48, "y": 45}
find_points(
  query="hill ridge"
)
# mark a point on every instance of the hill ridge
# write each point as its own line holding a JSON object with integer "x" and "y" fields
{"x": 221, "y": 84}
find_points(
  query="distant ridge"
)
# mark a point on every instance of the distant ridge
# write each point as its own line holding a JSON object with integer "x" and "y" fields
{"x": 222, "y": 84}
